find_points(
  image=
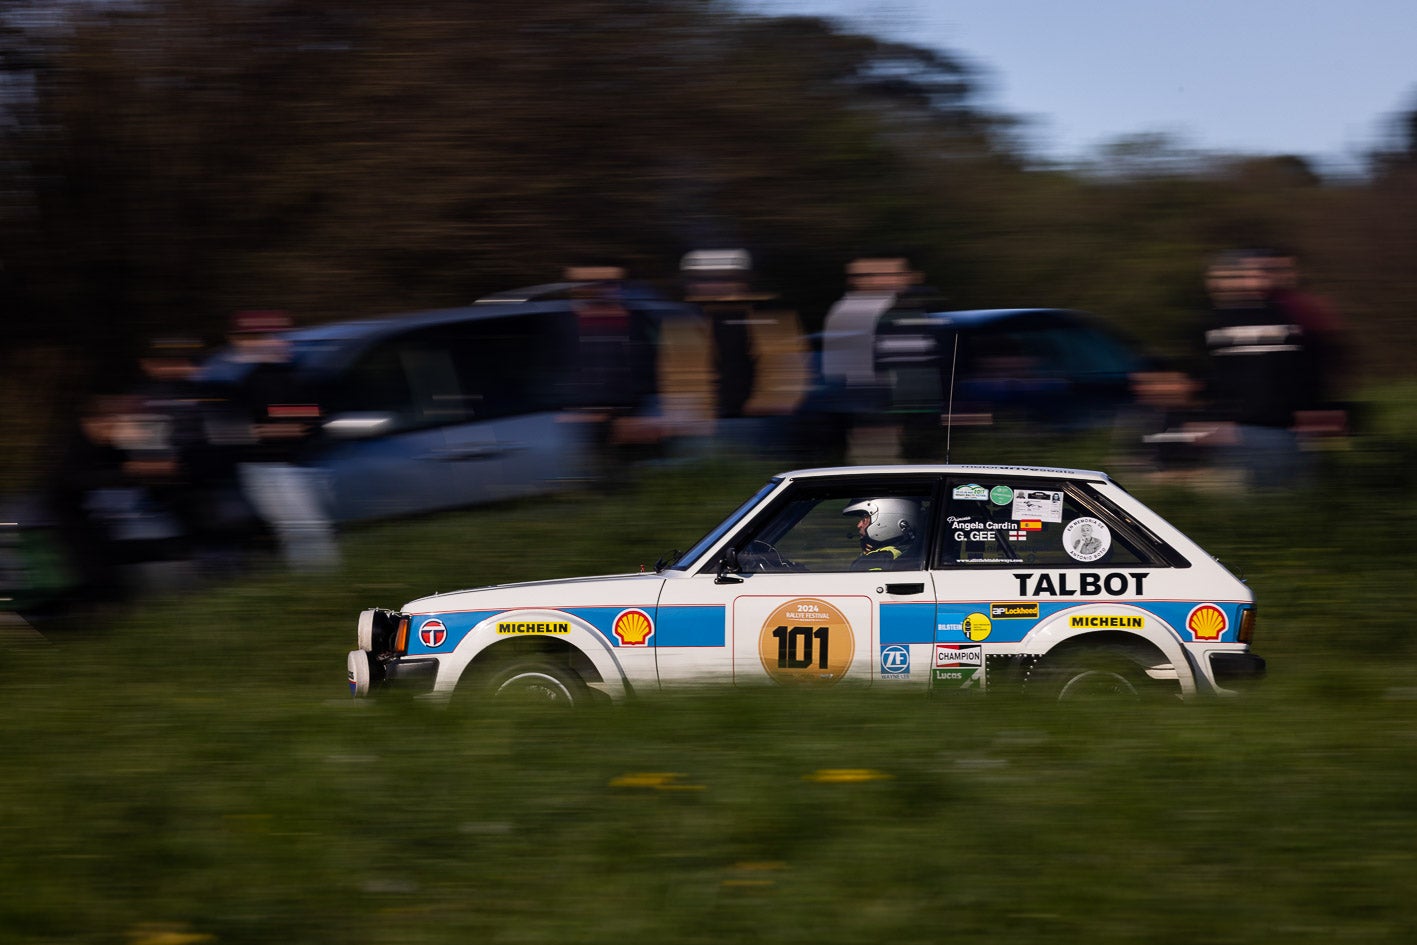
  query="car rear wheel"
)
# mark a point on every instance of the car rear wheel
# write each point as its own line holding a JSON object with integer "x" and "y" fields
{"x": 1094, "y": 674}
{"x": 537, "y": 682}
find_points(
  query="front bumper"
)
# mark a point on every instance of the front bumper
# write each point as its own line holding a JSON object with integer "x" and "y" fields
{"x": 381, "y": 661}
{"x": 1236, "y": 667}
{"x": 368, "y": 672}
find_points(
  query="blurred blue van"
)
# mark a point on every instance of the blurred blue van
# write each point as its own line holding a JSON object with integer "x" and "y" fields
{"x": 463, "y": 406}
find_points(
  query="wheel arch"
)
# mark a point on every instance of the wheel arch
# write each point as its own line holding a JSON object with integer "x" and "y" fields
{"x": 583, "y": 649}
{"x": 1142, "y": 644}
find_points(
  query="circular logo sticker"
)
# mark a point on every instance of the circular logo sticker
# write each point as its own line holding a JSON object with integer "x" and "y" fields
{"x": 432, "y": 633}
{"x": 633, "y": 627}
{"x": 1087, "y": 539}
{"x": 806, "y": 642}
{"x": 1001, "y": 495}
{"x": 977, "y": 627}
{"x": 1207, "y": 622}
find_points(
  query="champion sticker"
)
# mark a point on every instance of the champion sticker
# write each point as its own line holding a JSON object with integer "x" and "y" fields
{"x": 633, "y": 628}
{"x": 432, "y": 634}
{"x": 1087, "y": 539}
{"x": 951, "y": 655}
{"x": 1207, "y": 622}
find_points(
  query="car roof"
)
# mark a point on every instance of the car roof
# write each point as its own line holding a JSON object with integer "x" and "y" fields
{"x": 1046, "y": 472}
{"x": 976, "y": 317}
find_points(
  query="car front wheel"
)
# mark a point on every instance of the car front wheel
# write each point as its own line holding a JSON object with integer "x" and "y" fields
{"x": 537, "y": 682}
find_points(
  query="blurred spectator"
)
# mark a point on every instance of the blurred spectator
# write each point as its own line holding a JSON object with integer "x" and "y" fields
{"x": 616, "y": 372}
{"x": 91, "y": 498}
{"x": 874, "y": 287}
{"x": 168, "y": 454}
{"x": 275, "y": 421}
{"x": 1326, "y": 346}
{"x": 881, "y": 419}
{"x": 719, "y": 282}
{"x": 1262, "y": 371}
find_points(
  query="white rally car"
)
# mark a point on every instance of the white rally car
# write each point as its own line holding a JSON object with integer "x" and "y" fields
{"x": 947, "y": 577}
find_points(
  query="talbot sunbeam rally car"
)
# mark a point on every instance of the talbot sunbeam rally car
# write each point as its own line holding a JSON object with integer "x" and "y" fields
{"x": 943, "y": 577}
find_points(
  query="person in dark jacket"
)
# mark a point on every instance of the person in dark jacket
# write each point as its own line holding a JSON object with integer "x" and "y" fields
{"x": 279, "y": 417}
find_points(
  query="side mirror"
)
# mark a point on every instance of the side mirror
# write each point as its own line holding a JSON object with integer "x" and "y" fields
{"x": 727, "y": 567}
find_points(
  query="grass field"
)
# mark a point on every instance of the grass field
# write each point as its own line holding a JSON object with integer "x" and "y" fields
{"x": 196, "y": 773}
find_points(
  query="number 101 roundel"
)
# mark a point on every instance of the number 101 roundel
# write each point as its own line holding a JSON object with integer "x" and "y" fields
{"x": 1051, "y": 581}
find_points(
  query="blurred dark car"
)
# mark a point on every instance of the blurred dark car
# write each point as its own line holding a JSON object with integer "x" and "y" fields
{"x": 469, "y": 405}
{"x": 1057, "y": 367}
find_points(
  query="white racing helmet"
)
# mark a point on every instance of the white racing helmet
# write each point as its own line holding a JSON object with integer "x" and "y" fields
{"x": 892, "y": 519}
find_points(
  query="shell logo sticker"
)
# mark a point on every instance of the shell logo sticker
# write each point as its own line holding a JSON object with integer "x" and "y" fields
{"x": 1207, "y": 622}
{"x": 633, "y": 628}
{"x": 432, "y": 634}
{"x": 806, "y": 642}
{"x": 977, "y": 627}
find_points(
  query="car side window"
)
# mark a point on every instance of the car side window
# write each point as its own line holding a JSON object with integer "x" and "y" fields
{"x": 408, "y": 379}
{"x": 1012, "y": 521}
{"x": 815, "y": 531}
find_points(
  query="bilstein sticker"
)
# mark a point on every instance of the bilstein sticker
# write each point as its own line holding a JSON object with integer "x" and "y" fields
{"x": 806, "y": 641}
{"x": 1020, "y": 611}
{"x": 977, "y": 627}
{"x": 633, "y": 627}
{"x": 514, "y": 627}
{"x": 1207, "y": 622}
{"x": 1107, "y": 621}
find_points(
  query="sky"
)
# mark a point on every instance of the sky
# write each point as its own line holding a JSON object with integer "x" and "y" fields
{"x": 1321, "y": 79}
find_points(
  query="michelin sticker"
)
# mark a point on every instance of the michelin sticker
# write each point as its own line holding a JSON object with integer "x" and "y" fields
{"x": 1087, "y": 539}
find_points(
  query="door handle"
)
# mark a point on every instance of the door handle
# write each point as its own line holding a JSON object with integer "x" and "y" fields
{"x": 905, "y": 588}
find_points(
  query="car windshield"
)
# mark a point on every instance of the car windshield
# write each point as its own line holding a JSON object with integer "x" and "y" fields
{"x": 687, "y": 559}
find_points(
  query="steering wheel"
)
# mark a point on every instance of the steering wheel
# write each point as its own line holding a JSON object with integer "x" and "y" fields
{"x": 759, "y": 555}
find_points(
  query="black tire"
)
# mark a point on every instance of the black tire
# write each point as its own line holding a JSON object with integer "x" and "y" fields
{"x": 536, "y": 682}
{"x": 1094, "y": 674}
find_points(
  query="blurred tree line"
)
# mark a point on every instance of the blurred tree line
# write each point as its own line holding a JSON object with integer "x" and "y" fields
{"x": 167, "y": 162}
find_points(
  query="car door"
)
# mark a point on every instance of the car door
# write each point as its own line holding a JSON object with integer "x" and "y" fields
{"x": 791, "y": 601}
{"x": 517, "y": 372}
{"x": 398, "y": 440}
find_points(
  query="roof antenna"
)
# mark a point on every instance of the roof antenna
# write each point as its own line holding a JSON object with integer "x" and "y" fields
{"x": 950, "y": 414}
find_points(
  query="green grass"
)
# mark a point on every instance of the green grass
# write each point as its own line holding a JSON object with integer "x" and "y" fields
{"x": 196, "y": 773}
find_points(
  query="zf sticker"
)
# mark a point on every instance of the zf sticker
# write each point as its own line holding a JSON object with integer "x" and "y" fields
{"x": 806, "y": 641}
{"x": 895, "y": 660}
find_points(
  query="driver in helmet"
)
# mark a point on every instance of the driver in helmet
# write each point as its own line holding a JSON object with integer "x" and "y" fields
{"x": 889, "y": 529}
